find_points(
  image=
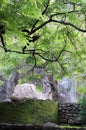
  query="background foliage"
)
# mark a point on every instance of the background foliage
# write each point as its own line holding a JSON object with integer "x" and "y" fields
{"x": 45, "y": 35}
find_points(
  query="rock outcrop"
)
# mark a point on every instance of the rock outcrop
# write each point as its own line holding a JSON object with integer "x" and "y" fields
{"x": 28, "y": 91}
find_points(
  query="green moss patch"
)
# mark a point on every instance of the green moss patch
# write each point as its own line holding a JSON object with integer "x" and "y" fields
{"x": 29, "y": 112}
{"x": 68, "y": 126}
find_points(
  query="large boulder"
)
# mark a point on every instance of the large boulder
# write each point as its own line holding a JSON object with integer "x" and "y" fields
{"x": 27, "y": 91}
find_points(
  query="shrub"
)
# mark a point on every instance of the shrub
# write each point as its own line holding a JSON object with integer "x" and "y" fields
{"x": 83, "y": 109}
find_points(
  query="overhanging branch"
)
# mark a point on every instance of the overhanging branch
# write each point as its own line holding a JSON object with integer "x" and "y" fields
{"x": 68, "y": 24}
{"x": 44, "y": 11}
{"x": 35, "y": 28}
{"x": 57, "y": 21}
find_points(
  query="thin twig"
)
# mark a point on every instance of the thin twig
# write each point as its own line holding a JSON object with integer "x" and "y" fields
{"x": 46, "y": 7}
{"x": 64, "y": 13}
{"x": 71, "y": 2}
{"x": 73, "y": 43}
{"x": 62, "y": 50}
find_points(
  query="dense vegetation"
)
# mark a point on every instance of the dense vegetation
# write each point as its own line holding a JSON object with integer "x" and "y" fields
{"x": 43, "y": 34}
{"x": 29, "y": 112}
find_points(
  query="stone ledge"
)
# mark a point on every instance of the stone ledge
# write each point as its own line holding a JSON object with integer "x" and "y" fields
{"x": 47, "y": 126}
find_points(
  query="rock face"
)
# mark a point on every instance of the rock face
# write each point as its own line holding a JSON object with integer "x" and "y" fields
{"x": 67, "y": 91}
{"x": 2, "y": 88}
{"x": 27, "y": 91}
{"x": 11, "y": 83}
{"x": 2, "y": 94}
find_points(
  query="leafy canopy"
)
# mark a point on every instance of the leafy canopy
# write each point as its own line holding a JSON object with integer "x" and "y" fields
{"x": 43, "y": 34}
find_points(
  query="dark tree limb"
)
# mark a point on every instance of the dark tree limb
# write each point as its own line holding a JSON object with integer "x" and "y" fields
{"x": 57, "y": 21}
{"x": 47, "y": 5}
{"x": 69, "y": 24}
{"x": 44, "y": 11}
{"x": 71, "y": 2}
{"x": 62, "y": 67}
{"x": 34, "y": 66}
{"x": 51, "y": 19}
{"x": 36, "y": 52}
{"x": 64, "y": 13}
{"x": 3, "y": 43}
{"x": 34, "y": 61}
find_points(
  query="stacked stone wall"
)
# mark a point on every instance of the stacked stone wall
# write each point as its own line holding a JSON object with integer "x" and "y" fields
{"x": 69, "y": 114}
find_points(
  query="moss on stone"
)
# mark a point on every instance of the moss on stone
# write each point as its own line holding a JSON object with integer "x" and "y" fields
{"x": 29, "y": 112}
{"x": 72, "y": 127}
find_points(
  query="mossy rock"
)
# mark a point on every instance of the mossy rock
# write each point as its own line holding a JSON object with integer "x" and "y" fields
{"x": 29, "y": 112}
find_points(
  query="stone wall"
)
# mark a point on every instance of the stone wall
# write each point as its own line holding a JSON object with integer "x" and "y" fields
{"x": 40, "y": 112}
{"x": 69, "y": 114}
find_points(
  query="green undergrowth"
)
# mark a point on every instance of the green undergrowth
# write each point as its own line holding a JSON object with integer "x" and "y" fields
{"x": 29, "y": 112}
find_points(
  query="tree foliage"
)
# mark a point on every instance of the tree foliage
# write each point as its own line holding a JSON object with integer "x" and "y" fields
{"x": 48, "y": 34}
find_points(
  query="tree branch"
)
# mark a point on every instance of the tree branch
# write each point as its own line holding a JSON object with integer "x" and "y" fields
{"x": 68, "y": 24}
{"x": 62, "y": 67}
{"x": 64, "y": 13}
{"x": 40, "y": 26}
{"x": 46, "y": 7}
{"x": 3, "y": 43}
{"x": 44, "y": 11}
{"x": 34, "y": 66}
{"x": 57, "y": 21}
{"x": 71, "y": 2}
